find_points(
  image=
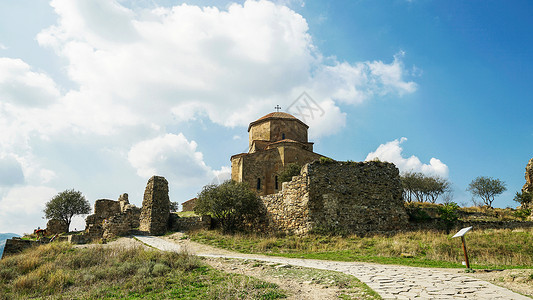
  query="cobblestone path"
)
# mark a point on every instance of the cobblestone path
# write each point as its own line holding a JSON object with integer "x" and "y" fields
{"x": 389, "y": 281}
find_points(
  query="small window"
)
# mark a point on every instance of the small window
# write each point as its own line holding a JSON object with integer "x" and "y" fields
{"x": 283, "y": 136}
{"x": 258, "y": 184}
{"x": 276, "y": 180}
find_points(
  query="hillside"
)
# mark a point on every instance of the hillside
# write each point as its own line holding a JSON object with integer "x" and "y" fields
{"x": 121, "y": 272}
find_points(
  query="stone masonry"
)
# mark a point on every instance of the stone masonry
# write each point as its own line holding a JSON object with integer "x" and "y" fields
{"x": 528, "y": 187}
{"x": 56, "y": 226}
{"x": 124, "y": 222}
{"x": 156, "y": 207}
{"x": 112, "y": 218}
{"x": 339, "y": 197}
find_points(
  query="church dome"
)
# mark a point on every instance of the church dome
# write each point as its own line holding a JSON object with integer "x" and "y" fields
{"x": 275, "y": 115}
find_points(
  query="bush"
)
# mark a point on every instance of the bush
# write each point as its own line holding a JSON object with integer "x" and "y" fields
{"x": 524, "y": 198}
{"x": 292, "y": 169}
{"x": 325, "y": 160}
{"x": 232, "y": 204}
{"x": 448, "y": 214}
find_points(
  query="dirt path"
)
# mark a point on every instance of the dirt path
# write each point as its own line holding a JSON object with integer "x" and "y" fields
{"x": 390, "y": 281}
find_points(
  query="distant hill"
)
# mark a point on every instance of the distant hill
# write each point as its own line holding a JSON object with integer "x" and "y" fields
{"x": 3, "y": 238}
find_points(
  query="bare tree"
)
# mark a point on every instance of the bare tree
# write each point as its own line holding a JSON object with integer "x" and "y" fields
{"x": 486, "y": 188}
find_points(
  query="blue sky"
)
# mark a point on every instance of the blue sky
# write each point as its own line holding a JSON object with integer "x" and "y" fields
{"x": 100, "y": 95}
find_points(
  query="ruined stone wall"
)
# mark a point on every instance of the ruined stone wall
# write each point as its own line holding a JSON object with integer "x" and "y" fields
{"x": 528, "y": 187}
{"x": 122, "y": 223}
{"x": 288, "y": 211}
{"x": 191, "y": 223}
{"x": 103, "y": 210}
{"x": 339, "y": 197}
{"x": 16, "y": 245}
{"x": 156, "y": 207}
{"x": 112, "y": 218}
{"x": 56, "y": 226}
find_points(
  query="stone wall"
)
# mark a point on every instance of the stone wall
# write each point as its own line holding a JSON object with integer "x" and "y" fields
{"x": 156, "y": 207}
{"x": 112, "y": 218}
{"x": 122, "y": 223}
{"x": 16, "y": 245}
{"x": 190, "y": 223}
{"x": 56, "y": 226}
{"x": 339, "y": 197}
{"x": 528, "y": 187}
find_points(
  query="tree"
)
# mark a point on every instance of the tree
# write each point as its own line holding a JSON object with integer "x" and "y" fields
{"x": 65, "y": 205}
{"x": 423, "y": 188}
{"x": 524, "y": 198}
{"x": 486, "y": 188}
{"x": 231, "y": 203}
{"x": 292, "y": 169}
{"x": 174, "y": 207}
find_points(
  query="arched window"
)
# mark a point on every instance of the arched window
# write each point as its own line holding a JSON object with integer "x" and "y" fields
{"x": 258, "y": 184}
{"x": 276, "y": 181}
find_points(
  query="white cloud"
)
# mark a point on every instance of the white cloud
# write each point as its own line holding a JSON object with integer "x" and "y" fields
{"x": 10, "y": 171}
{"x": 230, "y": 65}
{"x": 21, "y": 208}
{"x": 172, "y": 156}
{"x": 392, "y": 152}
{"x": 135, "y": 73}
{"x": 21, "y": 86}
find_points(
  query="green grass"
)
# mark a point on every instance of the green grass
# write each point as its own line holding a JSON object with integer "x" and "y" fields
{"x": 184, "y": 214}
{"x": 59, "y": 271}
{"x": 487, "y": 249}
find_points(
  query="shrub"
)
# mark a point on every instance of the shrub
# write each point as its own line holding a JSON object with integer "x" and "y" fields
{"x": 233, "y": 204}
{"x": 448, "y": 214}
{"x": 325, "y": 160}
{"x": 524, "y": 198}
{"x": 292, "y": 169}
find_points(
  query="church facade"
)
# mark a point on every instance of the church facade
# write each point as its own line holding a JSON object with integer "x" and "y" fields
{"x": 275, "y": 141}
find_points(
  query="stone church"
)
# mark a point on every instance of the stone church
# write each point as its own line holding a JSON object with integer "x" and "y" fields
{"x": 275, "y": 140}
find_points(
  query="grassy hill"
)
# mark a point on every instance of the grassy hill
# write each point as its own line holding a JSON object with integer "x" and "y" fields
{"x": 58, "y": 270}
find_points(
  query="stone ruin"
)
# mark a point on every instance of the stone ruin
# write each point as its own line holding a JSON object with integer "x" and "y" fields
{"x": 56, "y": 226}
{"x": 528, "y": 187}
{"x": 156, "y": 207}
{"x": 112, "y": 218}
{"x": 339, "y": 197}
{"x": 118, "y": 218}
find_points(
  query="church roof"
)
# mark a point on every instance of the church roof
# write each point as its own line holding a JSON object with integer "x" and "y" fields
{"x": 275, "y": 115}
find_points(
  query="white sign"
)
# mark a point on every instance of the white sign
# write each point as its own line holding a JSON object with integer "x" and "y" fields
{"x": 462, "y": 232}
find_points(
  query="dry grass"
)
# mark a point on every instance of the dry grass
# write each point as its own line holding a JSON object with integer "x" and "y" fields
{"x": 502, "y": 247}
{"x": 58, "y": 270}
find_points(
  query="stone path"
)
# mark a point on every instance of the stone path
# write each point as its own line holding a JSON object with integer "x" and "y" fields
{"x": 389, "y": 281}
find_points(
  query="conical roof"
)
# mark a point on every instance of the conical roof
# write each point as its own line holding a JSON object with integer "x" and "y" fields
{"x": 275, "y": 115}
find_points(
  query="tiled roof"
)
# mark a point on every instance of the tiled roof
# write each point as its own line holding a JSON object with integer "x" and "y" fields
{"x": 276, "y": 115}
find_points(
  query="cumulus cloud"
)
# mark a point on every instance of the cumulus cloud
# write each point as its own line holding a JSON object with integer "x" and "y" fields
{"x": 229, "y": 65}
{"x": 392, "y": 152}
{"x": 172, "y": 156}
{"x": 21, "y": 208}
{"x": 10, "y": 171}
{"x": 21, "y": 86}
{"x": 136, "y": 72}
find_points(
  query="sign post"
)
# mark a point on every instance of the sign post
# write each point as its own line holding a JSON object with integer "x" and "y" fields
{"x": 461, "y": 234}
